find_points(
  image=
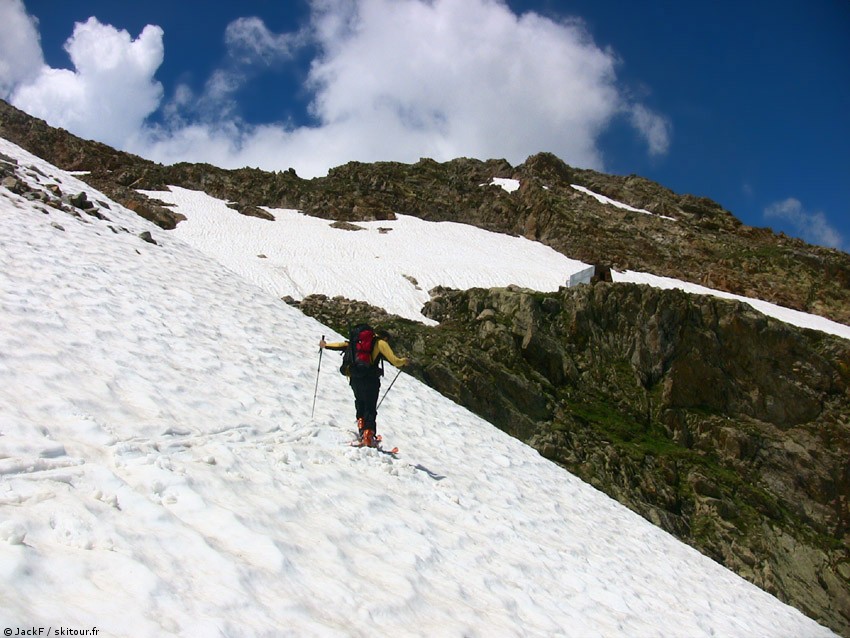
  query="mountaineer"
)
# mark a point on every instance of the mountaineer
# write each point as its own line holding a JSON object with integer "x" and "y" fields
{"x": 362, "y": 363}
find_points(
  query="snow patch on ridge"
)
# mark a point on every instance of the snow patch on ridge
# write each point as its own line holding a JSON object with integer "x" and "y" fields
{"x": 602, "y": 199}
{"x": 509, "y": 185}
{"x": 788, "y": 315}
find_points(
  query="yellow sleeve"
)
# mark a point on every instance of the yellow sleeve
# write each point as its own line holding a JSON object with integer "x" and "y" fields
{"x": 336, "y": 345}
{"x": 384, "y": 349}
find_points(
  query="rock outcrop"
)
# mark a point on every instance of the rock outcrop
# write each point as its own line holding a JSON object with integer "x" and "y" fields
{"x": 726, "y": 428}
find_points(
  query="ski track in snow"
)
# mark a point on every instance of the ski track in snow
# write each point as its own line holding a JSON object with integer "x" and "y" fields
{"x": 160, "y": 473}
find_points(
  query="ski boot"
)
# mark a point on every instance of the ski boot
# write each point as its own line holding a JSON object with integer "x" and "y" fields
{"x": 368, "y": 438}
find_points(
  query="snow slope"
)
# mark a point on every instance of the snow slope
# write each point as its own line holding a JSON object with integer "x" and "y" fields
{"x": 160, "y": 473}
{"x": 398, "y": 262}
{"x": 391, "y": 264}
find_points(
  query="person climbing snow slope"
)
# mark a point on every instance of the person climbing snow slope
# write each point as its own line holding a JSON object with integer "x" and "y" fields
{"x": 363, "y": 355}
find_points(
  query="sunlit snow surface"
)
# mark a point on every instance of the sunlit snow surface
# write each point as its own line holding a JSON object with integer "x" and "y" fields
{"x": 393, "y": 264}
{"x": 160, "y": 472}
{"x": 509, "y": 185}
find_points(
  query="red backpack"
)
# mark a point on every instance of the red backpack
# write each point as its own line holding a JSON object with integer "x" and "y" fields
{"x": 357, "y": 357}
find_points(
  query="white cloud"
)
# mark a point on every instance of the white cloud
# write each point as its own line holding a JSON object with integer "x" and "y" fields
{"x": 390, "y": 80}
{"x": 251, "y": 48}
{"x": 249, "y": 41}
{"x": 654, "y": 128}
{"x": 20, "y": 47}
{"x": 451, "y": 78}
{"x": 811, "y": 226}
{"x": 112, "y": 89}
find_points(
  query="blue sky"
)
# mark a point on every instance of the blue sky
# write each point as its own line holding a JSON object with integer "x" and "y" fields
{"x": 743, "y": 102}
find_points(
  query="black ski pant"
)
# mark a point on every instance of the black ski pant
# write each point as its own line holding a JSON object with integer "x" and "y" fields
{"x": 366, "y": 390}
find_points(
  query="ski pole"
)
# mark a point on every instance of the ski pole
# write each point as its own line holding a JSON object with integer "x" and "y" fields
{"x": 389, "y": 387}
{"x": 316, "y": 392}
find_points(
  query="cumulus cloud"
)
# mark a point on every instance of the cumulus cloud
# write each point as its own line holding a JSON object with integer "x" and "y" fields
{"x": 112, "y": 89}
{"x": 811, "y": 226}
{"x": 451, "y": 78}
{"x": 20, "y": 47}
{"x": 389, "y": 80}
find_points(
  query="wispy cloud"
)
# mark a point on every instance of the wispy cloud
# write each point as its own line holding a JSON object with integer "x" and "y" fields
{"x": 814, "y": 227}
{"x": 389, "y": 80}
{"x": 655, "y": 128}
{"x": 250, "y": 42}
{"x": 251, "y": 50}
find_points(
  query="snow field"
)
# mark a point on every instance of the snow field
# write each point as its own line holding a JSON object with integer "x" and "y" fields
{"x": 391, "y": 264}
{"x": 398, "y": 262}
{"x": 160, "y": 473}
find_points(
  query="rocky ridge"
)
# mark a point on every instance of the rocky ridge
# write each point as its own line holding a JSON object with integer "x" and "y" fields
{"x": 687, "y": 237}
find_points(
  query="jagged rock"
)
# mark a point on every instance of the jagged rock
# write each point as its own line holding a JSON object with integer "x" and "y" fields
{"x": 251, "y": 211}
{"x": 80, "y": 200}
{"x": 346, "y": 226}
{"x": 601, "y": 273}
{"x": 159, "y": 215}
